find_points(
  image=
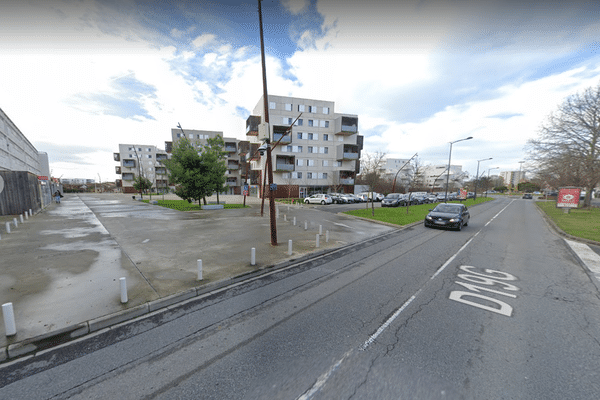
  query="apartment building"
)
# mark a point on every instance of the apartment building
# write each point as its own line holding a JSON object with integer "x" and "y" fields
{"x": 314, "y": 148}
{"x": 400, "y": 170}
{"x": 513, "y": 178}
{"x": 436, "y": 176}
{"x": 237, "y": 150}
{"x": 145, "y": 160}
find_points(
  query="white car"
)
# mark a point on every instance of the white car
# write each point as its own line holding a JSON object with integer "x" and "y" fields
{"x": 318, "y": 199}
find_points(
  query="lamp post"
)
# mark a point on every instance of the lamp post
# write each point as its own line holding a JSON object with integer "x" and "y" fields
{"x": 405, "y": 164}
{"x": 519, "y": 176}
{"x": 489, "y": 178}
{"x": 477, "y": 176}
{"x": 449, "y": 159}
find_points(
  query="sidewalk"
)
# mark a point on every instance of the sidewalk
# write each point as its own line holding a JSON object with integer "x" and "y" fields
{"x": 61, "y": 268}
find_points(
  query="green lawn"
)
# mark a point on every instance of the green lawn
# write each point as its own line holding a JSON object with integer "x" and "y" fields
{"x": 183, "y": 205}
{"x": 399, "y": 216}
{"x": 579, "y": 222}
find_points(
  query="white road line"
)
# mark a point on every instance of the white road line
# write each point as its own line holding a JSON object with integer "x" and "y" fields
{"x": 589, "y": 258}
{"x": 414, "y": 296}
{"x": 322, "y": 379}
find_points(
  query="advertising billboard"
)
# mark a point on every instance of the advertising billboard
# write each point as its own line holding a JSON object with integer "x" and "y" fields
{"x": 568, "y": 197}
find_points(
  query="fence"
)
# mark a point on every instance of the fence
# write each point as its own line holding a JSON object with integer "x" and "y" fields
{"x": 19, "y": 191}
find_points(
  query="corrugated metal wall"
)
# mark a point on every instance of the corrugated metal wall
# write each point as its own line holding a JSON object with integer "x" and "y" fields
{"x": 19, "y": 191}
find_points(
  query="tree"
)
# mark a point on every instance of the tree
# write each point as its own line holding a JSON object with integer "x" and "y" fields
{"x": 141, "y": 184}
{"x": 213, "y": 157}
{"x": 187, "y": 171}
{"x": 371, "y": 171}
{"x": 567, "y": 150}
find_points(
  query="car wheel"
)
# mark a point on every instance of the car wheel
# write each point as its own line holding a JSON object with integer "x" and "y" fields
{"x": 322, "y": 202}
{"x": 467, "y": 223}
{"x": 460, "y": 226}
{"x": 306, "y": 202}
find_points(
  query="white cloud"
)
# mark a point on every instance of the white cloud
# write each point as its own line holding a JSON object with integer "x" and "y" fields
{"x": 203, "y": 40}
{"x": 295, "y": 6}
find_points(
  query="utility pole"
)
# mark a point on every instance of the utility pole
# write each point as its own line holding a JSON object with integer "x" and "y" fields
{"x": 266, "y": 113}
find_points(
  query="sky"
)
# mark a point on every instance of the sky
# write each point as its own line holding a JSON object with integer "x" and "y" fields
{"x": 78, "y": 77}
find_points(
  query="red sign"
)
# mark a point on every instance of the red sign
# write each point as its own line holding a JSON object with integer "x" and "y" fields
{"x": 462, "y": 194}
{"x": 42, "y": 178}
{"x": 568, "y": 197}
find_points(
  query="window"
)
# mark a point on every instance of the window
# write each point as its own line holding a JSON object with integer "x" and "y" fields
{"x": 298, "y": 175}
{"x": 326, "y": 163}
{"x": 130, "y": 149}
{"x": 326, "y": 124}
{"x": 315, "y": 136}
{"x": 300, "y": 162}
{"x": 326, "y": 137}
{"x": 272, "y": 105}
{"x": 310, "y": 136}
{"x": 139, "y": 149}
{"x": 322, "y": 175}
{"x": 338, "y": 163}
{"x": 149, "y": 155}
{"x": 310, "y": 122}
{"x": 310, "y": 163}
{"x": 312, "y": 109}
{"x": 299, "y": 122}
{"x": 297, "y": 149}
{"x": 299, "y": 135}
{"x": 288, "y": 107}
{"x": 325, "y": 110}
{"x": 289, "y": 149}
{"x": 301, "y": 107}
{"x": 191, "y": 135}
{"x": 178, "y": 135}
{"x": 149, "y": 149}
{"x": 286, "y": 175}
{"x": 310, "y": 149}
{"x": 325, "y": 150}
{"x": 309, "y": 175}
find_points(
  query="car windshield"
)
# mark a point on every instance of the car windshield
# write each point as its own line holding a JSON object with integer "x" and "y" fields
{"x": 392, "y": 196}
{"x": 448, "y": 208}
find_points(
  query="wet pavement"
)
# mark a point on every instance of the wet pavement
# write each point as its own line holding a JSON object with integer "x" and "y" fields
{"x": 62, "y": 266}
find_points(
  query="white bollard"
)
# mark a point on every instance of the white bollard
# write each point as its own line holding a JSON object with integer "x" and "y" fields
{"x": 326, "y": 236}
{"x": 26, "y": 215}
{"x": 8, "y": 227}
{"x": 253, "y": 256}
{"x": 199, "y": 270}
{"x": 277, "y": 212}
{"x": 15, "y": 222}
{"x": 30, "y": 213}
{"x": 9, "y": 319}
{"x": 290, "y": 247}
{"x": 285, "y": 217}
{"x": 317, "y": 240}
{"x": 305, "y": 225}
{"x": 124, "y": 298}
{"x": 21, "y": 217}
{"x": 320, "y": 229}
{"x": 294, "y": 223}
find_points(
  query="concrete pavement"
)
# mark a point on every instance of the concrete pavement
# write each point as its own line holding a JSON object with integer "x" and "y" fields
{"x": 61, "y": 268}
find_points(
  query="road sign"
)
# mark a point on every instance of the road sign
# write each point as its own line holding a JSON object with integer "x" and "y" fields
{"x": 568, "y": 197}
{"x": 273, "y": 187}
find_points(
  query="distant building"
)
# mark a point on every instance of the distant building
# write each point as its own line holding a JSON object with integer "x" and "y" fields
{"x": 399, "y": 170}
{"x": 320, "y": 153}
{"x": 141, "y": 159}
{"x": 436, "y": 176}
{"x": 513, "y": 178}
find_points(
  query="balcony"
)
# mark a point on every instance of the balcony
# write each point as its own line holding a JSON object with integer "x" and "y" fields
{"x": 233, "y": 165}
{"x": 129, "y": 163}
{"x": 346, "y": 152}
{"x": 128, "y": 176}
{"x": 285, "y": 163}
{"x": 230, "y": 147}
{"x": 346, "y": 125}
{"x": 117, "y": 156}
{"x": 231, "y": 183}
{"x": 284, "y": 167}
{"x": 252, "y": 124}
{"x": 118, "y": 170}
{"x": 160, "y": 171}
{"x": 282, "y": 138}
{"x": 161, "y": 157}
{"x": 346, "y": 181}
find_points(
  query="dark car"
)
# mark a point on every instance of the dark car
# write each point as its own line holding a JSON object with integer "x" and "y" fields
{"x": 527, "y": 196}
{"x": 453, "y": 216}
{"x": 393, "y": 200}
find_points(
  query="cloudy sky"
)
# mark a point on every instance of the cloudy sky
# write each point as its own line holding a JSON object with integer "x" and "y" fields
{"x": 78, "y": 77}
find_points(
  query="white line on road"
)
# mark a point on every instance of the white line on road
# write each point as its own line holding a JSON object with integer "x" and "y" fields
{"x": 414, "y": 296}
{"x": 589, "y": 258}
{"x": 322, "y": 379}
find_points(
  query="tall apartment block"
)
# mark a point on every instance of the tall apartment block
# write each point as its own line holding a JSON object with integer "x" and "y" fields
{"x": 141, "y": 159}
{"x": 237, "y": 167}
{"x": 319, "y": 154}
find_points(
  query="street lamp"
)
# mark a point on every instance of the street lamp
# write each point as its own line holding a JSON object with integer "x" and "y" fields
{"x": 449, "y": 158}
{"x": 405, "y": 164}
{"x": 477, "y": 176}
{"x": 519, "y": 176}
{"x": 489, "y": 178}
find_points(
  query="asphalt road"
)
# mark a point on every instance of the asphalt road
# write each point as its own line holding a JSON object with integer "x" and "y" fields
{"x": 500, "y": 310}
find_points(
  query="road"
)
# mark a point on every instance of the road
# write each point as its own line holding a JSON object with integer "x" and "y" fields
{"x": 500, "y": 310}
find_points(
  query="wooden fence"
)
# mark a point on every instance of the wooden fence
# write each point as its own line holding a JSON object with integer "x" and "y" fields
{"x": 19, "y": 191}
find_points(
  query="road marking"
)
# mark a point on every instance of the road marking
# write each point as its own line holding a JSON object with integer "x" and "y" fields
{"x": 391, "y": 319}
{"x": 589, "y": 258}
{"x": 323, "y": 379}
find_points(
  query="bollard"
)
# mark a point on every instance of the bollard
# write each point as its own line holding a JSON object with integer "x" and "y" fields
{"x": 21, "y": 217}
{"x": 326, "y": 236}
{"x": 30, "y": 213}
{"x": 285, "y": 217}
{"x": 305, "y": 225}
{"x": 123, "y": 290}
{"x": 294, "y": 223}
{"x": 26, "y": 215}
{"x": 317, "y": 240}
{"x": 290, "y": 247}
{"x": 199, "y": 270}
{"x": 277, "y": 212}
{"x": 15, "y": 222}
{"x": 253, "y": 256}
{"x": 8, "y": 227}
{"x": 9, "y": 319}
{"x": 320, "y": 229}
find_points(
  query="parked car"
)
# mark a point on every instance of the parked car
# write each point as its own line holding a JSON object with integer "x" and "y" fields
{"x": 363, "y": 197}
{"x": 348, "y": 197}
{"x": 393, "y": 200}
{"x": 448, "y": 216}
{"x": 355, "y": 198}
{"x": 338, "y": 198}
{"x": 528, "y": 196}
{"x": 318, "y": 199}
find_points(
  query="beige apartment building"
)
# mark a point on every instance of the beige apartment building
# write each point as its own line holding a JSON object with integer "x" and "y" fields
{"x": 319, "y": 154}
{"x": 141, "y": 159}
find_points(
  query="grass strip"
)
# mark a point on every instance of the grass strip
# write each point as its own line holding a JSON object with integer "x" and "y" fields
{"x": 399, "y": 216}
{"x": 579, "y": 222}
{"x": 184, "y": 205}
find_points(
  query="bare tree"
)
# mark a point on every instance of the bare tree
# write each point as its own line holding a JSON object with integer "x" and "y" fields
{"x": 567, "y": 150}
{"x": 371, "y": 168}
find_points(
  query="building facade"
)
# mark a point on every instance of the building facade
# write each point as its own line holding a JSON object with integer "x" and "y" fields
{"x": 314, "y": 149}
{"x": 399, "y": 171}
{"x": 436, "y": 177}
{"x": 145, "y": 160}
{"x": 512, "y": 178}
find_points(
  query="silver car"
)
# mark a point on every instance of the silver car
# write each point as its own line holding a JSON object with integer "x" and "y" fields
{"x": 318, "y": 199}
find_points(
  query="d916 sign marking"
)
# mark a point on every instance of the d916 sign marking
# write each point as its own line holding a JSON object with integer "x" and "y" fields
{"x": 493, "y": 281}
